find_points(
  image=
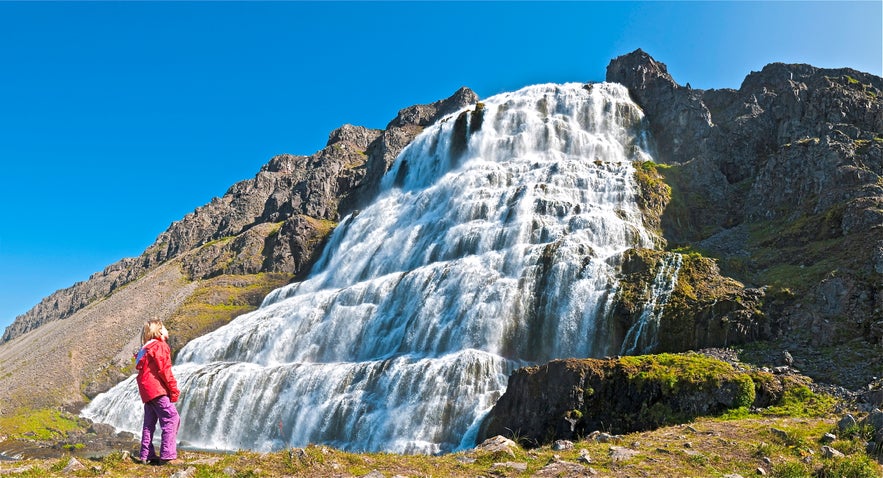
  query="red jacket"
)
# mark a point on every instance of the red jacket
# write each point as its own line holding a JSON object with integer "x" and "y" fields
{"x": 155, "y": 379}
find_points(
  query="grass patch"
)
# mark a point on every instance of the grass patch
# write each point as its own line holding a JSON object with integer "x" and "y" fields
{"x": 219, "y": 300}
{"x": 706, "y": 447}
{"x": 39, "y": 424}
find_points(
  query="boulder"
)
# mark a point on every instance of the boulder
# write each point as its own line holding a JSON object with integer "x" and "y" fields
{"x": 621, "y": 395}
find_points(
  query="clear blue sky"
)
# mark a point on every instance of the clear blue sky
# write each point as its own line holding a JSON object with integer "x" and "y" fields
{"x": 117, "y": 119}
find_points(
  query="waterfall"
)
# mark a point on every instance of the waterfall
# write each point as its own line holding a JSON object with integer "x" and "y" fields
{"x": 641, "y": 336}
{"x": 494, "y": 244}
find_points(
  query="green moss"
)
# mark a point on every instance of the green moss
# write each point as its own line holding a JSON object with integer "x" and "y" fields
{"x": 37, "y": 424}
{"x": 807, "y": 141}
{"x": 673, "y": 370}
{"x": 219, "y": 300}
{"x": 221, "y": 240}
{"x": 654, "y": 194}
{"x": 800, "y": 401}
{"x": 854, "y": 466}
{"x": 276, "y": 228}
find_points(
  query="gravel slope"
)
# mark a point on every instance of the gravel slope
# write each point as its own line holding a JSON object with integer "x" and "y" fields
{"x": 51, "y": 364}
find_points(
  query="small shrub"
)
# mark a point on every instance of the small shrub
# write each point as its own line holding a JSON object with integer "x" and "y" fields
{"x": 800, "y": 401}
{"x": 854, "y": 466}
{"x": 791, "y": 470}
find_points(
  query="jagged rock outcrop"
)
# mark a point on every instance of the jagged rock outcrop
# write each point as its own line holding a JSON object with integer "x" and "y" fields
{"x": 399, "y": 133}
{"x": 568, "y": 399}
{"x": 704, "y": 309}
{"x": 782, "y": 182}
{"x": 275, "y": 222}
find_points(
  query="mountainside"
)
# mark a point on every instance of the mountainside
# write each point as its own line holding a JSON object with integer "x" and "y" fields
{"x": 772, "y": 195}
{"x": 781, "y": 182}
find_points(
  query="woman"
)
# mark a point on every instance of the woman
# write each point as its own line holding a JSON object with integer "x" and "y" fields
{"x": 159, "y": 390}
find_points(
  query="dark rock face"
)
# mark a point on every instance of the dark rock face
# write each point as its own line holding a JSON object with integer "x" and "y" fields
{"x": 275, "y": 222}
{"x": 705, "y": 309}
{"x": 782, "y": 182}
{"x": 568, "y": 399}
{"x": 398, "y": 134}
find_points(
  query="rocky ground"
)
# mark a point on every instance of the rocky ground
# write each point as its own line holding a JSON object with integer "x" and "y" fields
{"x": 756, "y": 445}
{"x": 833, "y": 432}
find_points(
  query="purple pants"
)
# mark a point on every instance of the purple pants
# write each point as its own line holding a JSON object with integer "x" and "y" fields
{"x": 164, "y": 411}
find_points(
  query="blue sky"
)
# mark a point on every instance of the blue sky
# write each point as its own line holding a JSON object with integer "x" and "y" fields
{"x": 118, "y": 118}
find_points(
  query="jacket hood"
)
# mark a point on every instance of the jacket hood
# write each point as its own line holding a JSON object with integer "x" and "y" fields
{"x": 143, "y": 351}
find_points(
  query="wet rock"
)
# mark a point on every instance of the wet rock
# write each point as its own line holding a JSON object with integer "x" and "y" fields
{"x": 602, "y": 394}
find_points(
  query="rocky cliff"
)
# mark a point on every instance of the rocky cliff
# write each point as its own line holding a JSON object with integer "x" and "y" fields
{"x": 781, "y": 183}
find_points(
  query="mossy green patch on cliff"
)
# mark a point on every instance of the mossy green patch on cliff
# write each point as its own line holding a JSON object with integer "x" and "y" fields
{"x": 219, "y": 300}
{"x": 675, "y": 372}
{"x": 653, "y": 193}
{"x": 323, "y": 228}
{"x": 704, "y": 308}
{"x": 800, "y": 252}
{"x": 686, "y": 214}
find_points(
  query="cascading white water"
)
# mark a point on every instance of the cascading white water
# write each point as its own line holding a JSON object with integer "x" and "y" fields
{"x": 494, "y": 244}
{"x": 642, "y": 335}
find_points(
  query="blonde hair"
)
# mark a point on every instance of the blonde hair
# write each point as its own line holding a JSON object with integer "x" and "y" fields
{"x": 152, "y": 330}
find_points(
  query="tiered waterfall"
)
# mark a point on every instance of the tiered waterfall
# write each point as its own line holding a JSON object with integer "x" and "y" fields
{"x": 495, "y": 244}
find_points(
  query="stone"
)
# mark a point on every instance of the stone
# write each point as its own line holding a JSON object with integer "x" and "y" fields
{"x": 185, "y": 473}
{"x": 619, "y": 453}
{"x": 875, "y": 420}
{"x": 846, "y": 423}
{"x": 562, "y": 445}
{"x": 509, "y": 464}
{"x": 829, "y": 452}
{"x": 828, "y": 438}
{"x": 72, "y": 465}
{"x": 606, "y": 438}
{"x": 498, "y": 444}
{"x": 584, "y": 456}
